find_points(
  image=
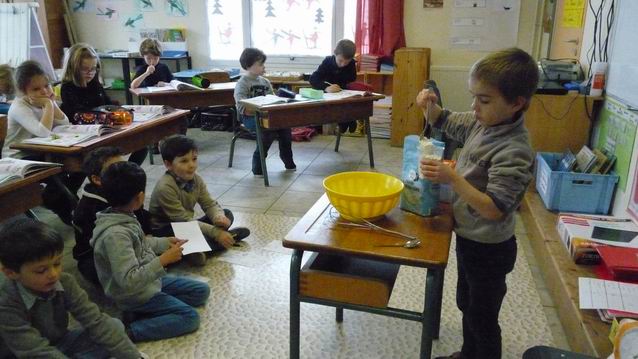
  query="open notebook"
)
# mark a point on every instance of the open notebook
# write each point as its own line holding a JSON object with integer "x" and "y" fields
{"x": 12, "y": 169}
{"x": 174, "y": 85}
{"x": 69, "y": 135}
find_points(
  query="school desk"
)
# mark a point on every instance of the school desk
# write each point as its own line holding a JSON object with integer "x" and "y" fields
{"x": 216, "y": 94}
{"x": 306, "y": 113}
{"x": 20, "y": 196}
{"x": 351, "y": 268}
{"x": 133, "y": 138}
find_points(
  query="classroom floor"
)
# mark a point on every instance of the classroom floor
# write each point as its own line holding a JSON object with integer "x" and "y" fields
{"x": 270, "y": 212}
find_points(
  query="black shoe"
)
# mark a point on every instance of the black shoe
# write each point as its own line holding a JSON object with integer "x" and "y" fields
{"x": 239, "y": 233}
{"x": 291, "y": 166}
{"x": 343, "y": 127}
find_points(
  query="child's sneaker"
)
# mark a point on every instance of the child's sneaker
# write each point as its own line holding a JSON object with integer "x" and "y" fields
{"x": 239, "y": 233}
{"x": 196, "y": 259}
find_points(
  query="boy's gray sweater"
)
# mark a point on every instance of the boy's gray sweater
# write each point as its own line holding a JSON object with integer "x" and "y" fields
{"x": 125, "y": 260}
{"x": 242, "y": 89}
{"x": 497, "y": 161}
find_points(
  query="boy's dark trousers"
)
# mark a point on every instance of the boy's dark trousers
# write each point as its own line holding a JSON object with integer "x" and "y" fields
{"x": 480, "y": 291}
{"x": 167, "y": 230}
{"x": 284, "y": 137}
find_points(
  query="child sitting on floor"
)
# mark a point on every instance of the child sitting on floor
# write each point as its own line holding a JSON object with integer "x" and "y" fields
{"x": 180, "y": 189}
{"x": 91, "y": 202}
{"x": 36, "y": 298}
{"x": 159, "y": 306}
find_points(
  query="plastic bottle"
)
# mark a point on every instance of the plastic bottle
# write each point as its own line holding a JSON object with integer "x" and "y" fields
{"x": 598, "y": 70}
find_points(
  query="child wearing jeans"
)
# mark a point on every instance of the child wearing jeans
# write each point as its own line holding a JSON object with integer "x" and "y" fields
{"x": 491, "y": 176}
{"x": 36, "y": 298}
{"x": 179, "y": 190}
{"x": 253, "y": 84}
{"x": 159, "y": 306}
{"x": 91, "y": 202}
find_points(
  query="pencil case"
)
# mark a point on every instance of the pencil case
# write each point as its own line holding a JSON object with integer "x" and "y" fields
{"x": 308, "y": 92}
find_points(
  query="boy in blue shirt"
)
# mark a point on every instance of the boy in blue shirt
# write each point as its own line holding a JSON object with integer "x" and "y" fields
{"x": 36, "y": 299}
{"x": 491, "y": 176}
{"x": 153, "y": 73}
{"x": 336, "y": 72}
{"x": 160, "y": 306}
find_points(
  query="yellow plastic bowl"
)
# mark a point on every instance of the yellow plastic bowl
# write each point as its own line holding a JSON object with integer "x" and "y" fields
{"x": 367, "y": 195}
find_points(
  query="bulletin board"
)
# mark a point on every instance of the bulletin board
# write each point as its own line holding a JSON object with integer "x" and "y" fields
{"x": 616, "y": 134}
{"x": 484, "y": 25}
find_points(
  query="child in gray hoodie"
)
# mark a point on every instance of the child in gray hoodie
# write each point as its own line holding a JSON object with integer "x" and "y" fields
{"x": 130, "y": 271}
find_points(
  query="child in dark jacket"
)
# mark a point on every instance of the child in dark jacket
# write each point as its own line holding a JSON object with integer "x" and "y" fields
{"x": 92, "y": 202}
{"x": 336, "y": 72}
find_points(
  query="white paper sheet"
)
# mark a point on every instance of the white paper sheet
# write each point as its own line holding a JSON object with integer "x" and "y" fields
{"x": 190, "y": 230}
{"x": 607, "y": 294}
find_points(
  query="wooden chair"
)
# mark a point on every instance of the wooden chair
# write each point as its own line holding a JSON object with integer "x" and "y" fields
{"x": 216, "y": 76}
{"x": 3, "y": 131}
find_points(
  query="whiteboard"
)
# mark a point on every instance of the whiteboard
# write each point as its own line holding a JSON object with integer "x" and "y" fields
{"x": 623, "y": 64}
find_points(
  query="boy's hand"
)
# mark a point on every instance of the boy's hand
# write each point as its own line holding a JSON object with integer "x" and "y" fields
{"x": 175, "y": 240}
{"x": 425, "y": 98}
{"x": 225, "y": 239}
{"x": 221, "y": 221}
{"x": 437, "y": 171}
{"x": 171, "y": 255}
{"x": 333, "y": 88}
{"x": 150, "y": 69}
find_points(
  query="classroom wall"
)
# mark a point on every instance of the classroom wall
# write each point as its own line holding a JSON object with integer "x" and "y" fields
{"x": 431, "y": 28}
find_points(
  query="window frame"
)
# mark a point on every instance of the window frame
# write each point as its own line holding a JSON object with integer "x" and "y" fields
{"x": 298, "y": 63}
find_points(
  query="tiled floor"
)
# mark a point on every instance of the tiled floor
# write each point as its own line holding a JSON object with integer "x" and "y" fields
{"x": 291, "y": 194}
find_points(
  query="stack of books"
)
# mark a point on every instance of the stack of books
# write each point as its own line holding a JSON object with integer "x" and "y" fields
{"x": 369, "y": 62}
{"x": 381, "y": 118}
{"x": 588, "y": 161}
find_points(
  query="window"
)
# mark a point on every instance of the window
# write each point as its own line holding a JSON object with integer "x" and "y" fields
{"x": 292, "y": 33}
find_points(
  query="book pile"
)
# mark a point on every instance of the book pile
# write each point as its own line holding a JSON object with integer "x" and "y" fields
{"x": 588, "y": 161}
{"x": 381, "y": 118}
{"x": 369, "y": 62}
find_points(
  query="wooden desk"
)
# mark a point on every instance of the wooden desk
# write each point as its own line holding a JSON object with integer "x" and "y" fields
{"x": 20, "y": 196}
{"x": 317, "y": 231}
{"x": 586, "y": 333}
{"x": 298, "y": 114}
{"x": 560, "y": 122}
{"x": 216, "y": 94}
{"x": 131, "y": 139}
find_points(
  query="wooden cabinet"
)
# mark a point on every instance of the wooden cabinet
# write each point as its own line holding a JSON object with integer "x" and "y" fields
{"x": 381, "y": 82}
{"x": 560, "y": 122}
{"x": 411, "y": 69}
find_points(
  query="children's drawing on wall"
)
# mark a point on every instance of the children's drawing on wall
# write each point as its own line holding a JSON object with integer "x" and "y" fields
{"x": 269, "y": 9}
{"x": 106, "y": 11}
{"x": 275, "y": 36}
{"x": 291, "y": 36}
{"x": 319, "y": 16}
{"x": 309, "y": 3}
{"x": 79, "y": 5}
{"x": 311, "y": 40}
{"x": 291, "y": 3}
{"x": 176, "y": 7}
{"x": 146, "y": 5}
{"x": 217, "y": 8}
{"x": 134, "y": 21}
{"x": 225, "y": 34}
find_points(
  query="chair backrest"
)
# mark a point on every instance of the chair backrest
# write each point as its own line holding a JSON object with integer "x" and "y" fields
{"x": 216, "y": 76}
{"x": 3, "y": 131}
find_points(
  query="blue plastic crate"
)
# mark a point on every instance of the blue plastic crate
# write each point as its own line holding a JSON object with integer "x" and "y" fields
{"x": 571, "y": 191}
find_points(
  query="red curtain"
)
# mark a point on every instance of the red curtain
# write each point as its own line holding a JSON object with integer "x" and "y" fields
{"x": 379, "y": 27}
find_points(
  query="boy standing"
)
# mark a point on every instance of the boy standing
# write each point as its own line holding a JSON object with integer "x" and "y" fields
{"x": 336, "y": 72}
{"x": 253, "y": 84}
{"x": 129, "y": 270}
{"x": 180, "y": 189}
{"x": 153, "y": 73}
{"x": 91, "y": 202}
{"x": 36, "y": 299}
{"x": 492, "y": 174}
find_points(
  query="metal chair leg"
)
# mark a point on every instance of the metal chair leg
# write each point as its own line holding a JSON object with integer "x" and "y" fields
{"x": 338, "y": 139}
{"x": 150, "y": 149}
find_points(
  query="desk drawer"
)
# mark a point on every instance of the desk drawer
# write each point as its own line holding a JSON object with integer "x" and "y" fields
{"x": 348, "y": 280}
